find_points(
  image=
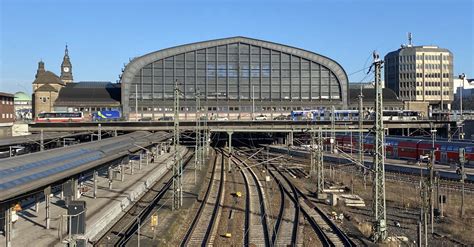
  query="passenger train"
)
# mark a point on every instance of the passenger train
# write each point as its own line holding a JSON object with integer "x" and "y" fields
{"x": 315, "y": 115}
{"x": 58, "y": 117}
{"x": 348, "y": 115}
{"x": 412, "y": 148}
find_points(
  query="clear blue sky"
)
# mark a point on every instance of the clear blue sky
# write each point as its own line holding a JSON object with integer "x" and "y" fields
{"x": 103, "y": 34}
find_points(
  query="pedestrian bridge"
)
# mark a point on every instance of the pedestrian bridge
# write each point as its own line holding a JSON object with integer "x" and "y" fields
{"x": 240, "y": 125}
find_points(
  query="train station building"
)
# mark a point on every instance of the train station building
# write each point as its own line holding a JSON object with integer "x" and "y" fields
{"x": 53, "y": 93}
{"x": 233, "y": 77}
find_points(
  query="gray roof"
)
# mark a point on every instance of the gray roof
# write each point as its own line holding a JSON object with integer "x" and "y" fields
{"x": 35, "y": 138}
{"x": 27, "y": 173}
{"x": 369, "y": 95}
{"x": 47, "y": 77}
{"x": 418, "y": 48}
{"x": 89, "y": 93}
{"x": 9, "y": 95}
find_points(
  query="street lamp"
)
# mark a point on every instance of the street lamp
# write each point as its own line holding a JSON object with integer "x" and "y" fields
{"x": 462, "y": 77}
{"x": 461, "y": 130}
{"x": 253, "y": 102}
{"x": 433, "y": 136}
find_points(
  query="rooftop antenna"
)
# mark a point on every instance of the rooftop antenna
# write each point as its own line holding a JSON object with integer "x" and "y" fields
{"x": 409, "y": 39}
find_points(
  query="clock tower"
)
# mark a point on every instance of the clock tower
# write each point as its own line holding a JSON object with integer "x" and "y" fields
{"x": 66, "y": 68}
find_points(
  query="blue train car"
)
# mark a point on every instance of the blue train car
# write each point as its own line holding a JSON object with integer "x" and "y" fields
{"x": 106, "y": 115}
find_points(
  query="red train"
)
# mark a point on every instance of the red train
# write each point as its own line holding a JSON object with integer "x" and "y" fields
{"x": 412, "y": 148}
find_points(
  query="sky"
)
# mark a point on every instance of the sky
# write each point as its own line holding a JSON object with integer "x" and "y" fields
{"x": 102, "y": 35}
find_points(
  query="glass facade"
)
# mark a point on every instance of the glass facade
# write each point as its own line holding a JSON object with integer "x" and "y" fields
{"x": 232, "y": 76}
{"x": 235, "y": 71}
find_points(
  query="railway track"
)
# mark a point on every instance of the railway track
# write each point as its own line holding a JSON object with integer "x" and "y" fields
{"x": 202, "y": 228}
{"x": 399, "y": 177}
{"x": 287, "y": 224}
{"x": 256, "y": 231}
{"x": 329, "y": 233}
{"x": 121, "y": 232}
{"x": 288, "y": 233}
{"x": 413, "y": 179}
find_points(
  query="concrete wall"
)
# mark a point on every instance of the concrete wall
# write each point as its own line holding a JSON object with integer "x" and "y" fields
{"x": 20, "y": 129}
{"x": 417, "y": 106}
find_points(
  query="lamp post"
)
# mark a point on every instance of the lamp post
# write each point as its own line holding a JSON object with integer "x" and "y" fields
{"x": 462, "y": 77}
{"x": 432, "y": 167}
{"x": 253, "y": 102}
{"x": 433, "y": 137}
{"x": 461, "y": 130}
{"x": 136, "y": 102}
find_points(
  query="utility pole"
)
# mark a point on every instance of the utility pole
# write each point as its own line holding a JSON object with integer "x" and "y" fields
{"x": 229, "y": 142}
{"x": 202, "y": 134}
{"x": 253, "y": 102}
{"x": 425, "y": 212}
{"x": 461, "y": 126}
{"x": 431, "y": 184}
{"x": 320, "y": 164}
{"x": 197, "y": 147}
{"x": 41, "y": 141}
{"x": 379, "y": 209}
{"x": 313, "y": 170}
{"x": 136, "y": 102}
{"x": 361, "y": 137}
{"x": 99, "y": 132}
{"x": 462, "y": 160}
{"x": 422, "y": 224}
{"x": 333, "y": 127}
{"x": 439, "y": 196}
{"x": 430, "y": 188}
{"x": 177, "y": 169}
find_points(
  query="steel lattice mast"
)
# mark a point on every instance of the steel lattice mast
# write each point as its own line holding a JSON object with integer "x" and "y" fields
{"x": 313, "y": 171}
{"x": 333, "y": 127}
{"x": 177, "y": 166}
{"x": 320, "y": 163}
{"x": 197, "y": 146}
{"x": 379, "y": 209}
{"x": 361, "y": 137}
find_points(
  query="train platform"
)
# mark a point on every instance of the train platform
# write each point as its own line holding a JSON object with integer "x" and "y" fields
{"x": 101, "y": 212}
{"x": 395, "y": 165}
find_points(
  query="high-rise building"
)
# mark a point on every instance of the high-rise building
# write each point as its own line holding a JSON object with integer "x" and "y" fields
{"x": 421, "y": 74}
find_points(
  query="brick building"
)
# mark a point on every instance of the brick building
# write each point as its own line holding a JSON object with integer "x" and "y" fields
{"x": 7, "y": 114}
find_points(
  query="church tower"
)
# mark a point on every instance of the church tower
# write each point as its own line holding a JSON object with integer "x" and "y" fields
{"x": 40, "y": 69}
{"x": 66, "y": 68}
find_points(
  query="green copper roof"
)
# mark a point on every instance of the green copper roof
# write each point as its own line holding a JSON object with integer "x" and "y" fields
{"x": 22, "y": 96}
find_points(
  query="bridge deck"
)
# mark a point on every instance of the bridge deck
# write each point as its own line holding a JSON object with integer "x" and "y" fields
{"x": 278, "y": 125}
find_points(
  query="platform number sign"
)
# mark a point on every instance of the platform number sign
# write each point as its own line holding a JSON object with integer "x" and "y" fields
{"x": 462, "y": 155}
